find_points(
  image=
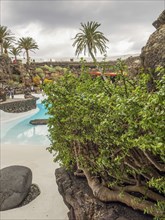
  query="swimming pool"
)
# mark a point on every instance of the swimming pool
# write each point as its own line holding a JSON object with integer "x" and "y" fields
{"x": 21, "y": 132}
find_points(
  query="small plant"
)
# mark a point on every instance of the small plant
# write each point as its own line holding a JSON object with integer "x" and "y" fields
{"x": 39, "y": 70}
{"x": 36, "y": 80}
{"x": 46, "y": 81}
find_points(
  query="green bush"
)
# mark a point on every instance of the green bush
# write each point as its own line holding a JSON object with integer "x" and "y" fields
{"x": 39, "y": 70}
{"x": 118, "y": 127}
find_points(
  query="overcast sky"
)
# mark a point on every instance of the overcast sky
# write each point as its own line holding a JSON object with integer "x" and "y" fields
{"x": 53, "y": 24}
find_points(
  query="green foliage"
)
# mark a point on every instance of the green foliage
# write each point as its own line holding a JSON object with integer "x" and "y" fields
{"x": 15, "y": 51}
{"x": 36, "y": 80}
{"x": 16, "y": 77}
{"x": 7, "y": 45}
{"x": 158, "y": 183}
{"x": 5, "y": 36}
{"x": 58, "y": 68}
{"x": 49, "y": 68}
{"x": 27, "y": 44}
{"x": 110, "y": 123}
{"x": 47, "y": 81}
{"x": 11, "y": 83}
{"x": 160, "y": 206}
{"x": 90, "y": 40}
{"x": 39, "y": 70}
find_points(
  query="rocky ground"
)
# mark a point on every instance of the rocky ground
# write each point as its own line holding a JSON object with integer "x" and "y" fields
{"x": 153, "y": 53}
{"x": 84, "y": 206}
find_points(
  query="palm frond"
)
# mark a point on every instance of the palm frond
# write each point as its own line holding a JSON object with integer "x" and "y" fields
{"x": 90, "y": 39}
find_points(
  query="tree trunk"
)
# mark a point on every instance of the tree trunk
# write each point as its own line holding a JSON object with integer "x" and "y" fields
{"x": 106, "y": 195}
{"x": 27, "y": 56}
{"x": 93, "y": 57}
{"x": 94, "y": 60}
{"x": 6, "y": 52}
{"x": 1, "y": 48}
{"x": 119, "y": 195}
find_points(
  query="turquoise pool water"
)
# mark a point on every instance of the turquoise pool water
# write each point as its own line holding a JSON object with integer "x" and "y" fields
{"x": 25, "y": 133}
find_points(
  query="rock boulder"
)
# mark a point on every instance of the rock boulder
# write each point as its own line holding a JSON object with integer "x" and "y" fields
{"x": 134, "y": 65}
{"x": 5, "y": 68}
{"x": 15, "y": 182}
{"x": 39, "y": 122}
{"x": 160, "y": 21}
{"x": 153, "y": 53}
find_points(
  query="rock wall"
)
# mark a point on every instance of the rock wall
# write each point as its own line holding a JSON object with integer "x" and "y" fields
{"x": 153, "y": 53}
{"x": 134, "y": 65}
{"x": 64, "y": 64}
{"x": 160, "y": 21}
{"x": 18, "y": 106}
{"x": 9, "y": 71}
{"x": 5, "y": 68}
{"x": 84, "y": 206}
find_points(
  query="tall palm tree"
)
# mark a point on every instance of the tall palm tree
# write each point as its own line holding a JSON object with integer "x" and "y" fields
{"x": 7, "y": 45}
{"x": 28, "y": 44}
{"x": 15, "y": 51}
{"x": 90, "y": 40}
{"x": 5, "y": 35}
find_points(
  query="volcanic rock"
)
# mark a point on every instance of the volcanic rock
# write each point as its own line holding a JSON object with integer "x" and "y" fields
{"x": 153, "y": 53}
{"x": 15, "y": 182}
{"x": 84, "y": 206}
{"x": 39, "y": 122}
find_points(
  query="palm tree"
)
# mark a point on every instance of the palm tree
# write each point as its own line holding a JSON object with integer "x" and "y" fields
{"x": 7, "y": 45}
{"x": 15, "y": 51}
{"x": 5, "y": 35}
{"x": 90, "y": 40}
{"x": 28, "y": 44}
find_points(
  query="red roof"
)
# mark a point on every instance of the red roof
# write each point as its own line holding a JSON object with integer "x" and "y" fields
{"x": 97, "y": 73}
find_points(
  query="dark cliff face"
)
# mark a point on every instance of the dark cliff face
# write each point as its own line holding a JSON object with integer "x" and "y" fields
{"x": 160, "y": 21}
{"x": 153, "y": 53}
{"x": 9, "y": 71}
{"x": 5, "y": 68}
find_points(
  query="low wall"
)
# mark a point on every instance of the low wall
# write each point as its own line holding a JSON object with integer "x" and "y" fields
{"x": 18, "y": 106}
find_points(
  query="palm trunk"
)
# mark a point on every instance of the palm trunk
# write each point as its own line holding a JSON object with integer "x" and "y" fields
{"x": 1, "y": 48}
{"x": 93, "y": 57}
{"x": 27, "y": 56}
{"x": 106, "y": 195}
{"x": 94, "y": 60}
{"x": 6, "y": 52}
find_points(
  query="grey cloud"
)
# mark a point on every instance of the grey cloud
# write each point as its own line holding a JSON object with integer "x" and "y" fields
{"x": 50, "y": 13}
{"x": 120, "y": 20}
{"x": 70, "y": 13}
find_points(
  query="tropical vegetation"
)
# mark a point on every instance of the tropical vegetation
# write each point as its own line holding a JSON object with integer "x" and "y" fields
{"x": 111, "y": 133}
{"x": 90, "y": 40}
{"x": 114, "y": 134}
{"x": 15, "y": 51}
{"x": 5, "y": 36}
{"x": 7, "y": 45}
{"x": 28, "y": 44}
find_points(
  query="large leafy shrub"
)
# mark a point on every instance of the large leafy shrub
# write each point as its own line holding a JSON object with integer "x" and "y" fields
{"x": 114, "y": 132}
